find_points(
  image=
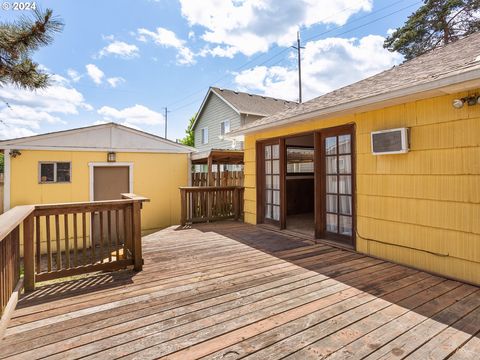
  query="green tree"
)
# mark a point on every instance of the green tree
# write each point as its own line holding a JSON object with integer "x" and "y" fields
{"x": 17, "y": 42}
{"x": 1, "y": 163}
{"x": 189, "y": 138}
{"x": 436, "y": 23}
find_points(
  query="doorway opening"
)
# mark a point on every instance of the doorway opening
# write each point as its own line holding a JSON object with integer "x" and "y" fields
{"x": 300, "y": 184}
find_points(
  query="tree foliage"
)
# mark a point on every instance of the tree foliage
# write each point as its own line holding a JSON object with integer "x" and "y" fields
{"x": 17, "y": 42}
{"x": 2, "y": 163}
{"x": 189, "y": 138}
{"x": 436, "y": 23}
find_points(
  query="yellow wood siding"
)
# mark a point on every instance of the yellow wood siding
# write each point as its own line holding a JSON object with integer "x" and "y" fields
{"x": 421, "y": 208}
{"x": 155, "y": 175}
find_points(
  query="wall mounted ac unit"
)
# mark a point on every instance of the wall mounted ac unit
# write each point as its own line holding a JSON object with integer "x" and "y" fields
{"x": 391, "y": 141}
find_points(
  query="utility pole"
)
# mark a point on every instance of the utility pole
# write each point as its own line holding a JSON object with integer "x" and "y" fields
{"x": 299, "y": 48}
{"x": 166, "y": 119}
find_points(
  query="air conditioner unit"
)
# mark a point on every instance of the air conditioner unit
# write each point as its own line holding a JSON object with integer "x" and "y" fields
{"x": 392, "y": 141}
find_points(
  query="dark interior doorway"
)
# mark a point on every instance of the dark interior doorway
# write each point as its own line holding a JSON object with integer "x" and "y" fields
{"x": 300, "y": 184}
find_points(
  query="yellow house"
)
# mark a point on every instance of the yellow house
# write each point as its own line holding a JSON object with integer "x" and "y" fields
{"x": 388, "y": 166}
{"x": 98, "y": 163}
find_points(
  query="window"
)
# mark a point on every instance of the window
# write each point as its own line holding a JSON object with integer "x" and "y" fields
{"x": 55, "y": 172}
{"x": 205, "y": 136}
{"x": 300, "y": 160}
{"x": 225, "y": 127}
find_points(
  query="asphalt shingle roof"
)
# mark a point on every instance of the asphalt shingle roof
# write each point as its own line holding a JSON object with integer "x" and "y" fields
{"x": 458, "y": 57}
{"x": 253, "y": 104}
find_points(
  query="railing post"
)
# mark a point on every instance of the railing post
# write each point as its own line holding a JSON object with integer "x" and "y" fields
{"x": 28, "y": 254}
{"x": 236, "y": 203}
{"x": 137, "y": 236}
{"x": 183, "y": 200}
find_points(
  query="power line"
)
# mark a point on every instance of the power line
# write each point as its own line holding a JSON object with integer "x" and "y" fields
{"x": 321, "y": 34}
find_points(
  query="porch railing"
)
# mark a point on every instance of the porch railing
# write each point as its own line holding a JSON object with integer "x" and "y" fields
{"x": 210, "y": 203}
{"x": 61, "y": 240}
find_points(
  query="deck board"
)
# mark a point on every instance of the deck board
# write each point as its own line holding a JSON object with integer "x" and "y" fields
{"x": 229, "y": 291}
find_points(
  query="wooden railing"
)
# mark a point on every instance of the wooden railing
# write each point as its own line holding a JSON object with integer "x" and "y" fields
{"x": 210, "y": 203}
{"x": 226, "y": 178}
{"x": 61, "y": 240}
{"x": 10, "y": 281}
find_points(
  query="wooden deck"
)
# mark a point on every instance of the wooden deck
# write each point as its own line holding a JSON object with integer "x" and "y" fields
{"x": 230, "y": 291}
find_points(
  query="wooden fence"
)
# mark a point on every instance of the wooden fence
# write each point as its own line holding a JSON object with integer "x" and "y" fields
{"x": 227, "y": 178}
{"x": 210, "y": 203}
{"x": 67, "y": 230}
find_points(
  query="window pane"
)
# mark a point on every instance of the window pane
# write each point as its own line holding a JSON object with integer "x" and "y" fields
{"x": 268, "y": 166}
{"x": 332, "y": 225}
{"x": 332, "y": 184}
{"x": 331, "y": 164}
{"x": 331, "y": 145}
{"x": 346, "y": 205}
{"x": 47, "y": 173}
{"x": 63, "y": 172}
{"x": 345, "y": 225}
{"x": 268, "y": 182}
{"x": 332, "y": 203}
{"x": 276, "y": 167}
{"x": 222, "y": 128}
{"x": 268, "y": 197}
{"x": 276, "y": 151}
{"x": 345, "y": 164}
{"x": 268, "y": 211}
{"x": 276, "y": 197}
{"x": 300, "y": 160}
{"x": 345, "y": 185}
{"x": 226, "y": 127}
{"x": 268, "y": 151}
{"x": 276, "y": 212}
{"x": 344, "y": 144}
{"x": 276, "y": 182}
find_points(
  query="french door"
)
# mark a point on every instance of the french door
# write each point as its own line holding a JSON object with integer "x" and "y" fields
{"x": 335, "y": 185}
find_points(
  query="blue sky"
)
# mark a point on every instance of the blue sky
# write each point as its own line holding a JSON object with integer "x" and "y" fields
{"x": 124, "y": 61}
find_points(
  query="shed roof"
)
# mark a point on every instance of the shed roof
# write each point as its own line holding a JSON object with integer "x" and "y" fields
{"x": 109, "y": 137}
{"x": 441, "y": 68}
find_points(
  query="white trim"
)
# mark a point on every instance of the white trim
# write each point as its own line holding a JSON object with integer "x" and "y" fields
{"x": 102, "y": 149}
{"x": 22, "y": 143}
{"x": 92, "y": 165}
{"x": 6, "y": 179}
{"x": 422, "y": 91}
{"x": 189, "y": 170}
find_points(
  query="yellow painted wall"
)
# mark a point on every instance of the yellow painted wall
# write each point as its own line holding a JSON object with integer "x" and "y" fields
{"x": 421, "y": 208}
{"x": 156, "y": 176}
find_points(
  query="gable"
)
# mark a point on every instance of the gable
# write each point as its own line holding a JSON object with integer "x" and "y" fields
{"x": 112, "y": 137}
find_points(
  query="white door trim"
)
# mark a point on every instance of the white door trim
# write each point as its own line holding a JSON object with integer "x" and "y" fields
{"x": 92, "y": 165}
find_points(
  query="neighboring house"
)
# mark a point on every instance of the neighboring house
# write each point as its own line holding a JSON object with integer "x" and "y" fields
{"x": 98, "y": 163}
{"x": 223, "y": 111}
{"x": 418, "y": 205}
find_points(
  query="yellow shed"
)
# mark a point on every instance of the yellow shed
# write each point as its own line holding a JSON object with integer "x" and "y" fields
{"x": 388, "y": 166}
{"x": 98, "y": 163}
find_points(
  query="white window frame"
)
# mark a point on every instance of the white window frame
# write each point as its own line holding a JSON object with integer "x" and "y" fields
{"x": 222, "y": 125}
{"x": 40, "y": 163}
{"x": 204, "y": 138}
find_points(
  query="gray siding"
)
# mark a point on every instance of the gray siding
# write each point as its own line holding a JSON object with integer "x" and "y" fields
{"x": 214, "y": 112}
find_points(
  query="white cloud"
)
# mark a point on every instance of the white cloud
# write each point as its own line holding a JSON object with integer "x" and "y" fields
{"x": 168, "y": 39}
{"x": 95, "y": 73}
{"x": 252, "y": 26}
{"x": 115, "y": 81}
{"x": 135, "y": 115}
{"x": 74, "y": 75}
{"x": 120, "y": 49}
{"x": 28, "y": 110}
{"x": 326, "y": 65}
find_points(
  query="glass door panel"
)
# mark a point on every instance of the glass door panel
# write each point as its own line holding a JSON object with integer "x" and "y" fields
{"x": 338, "y": 184}
{"x": 272, "y": 182}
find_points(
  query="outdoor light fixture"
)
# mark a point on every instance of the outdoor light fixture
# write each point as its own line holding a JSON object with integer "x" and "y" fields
{"x": 111, "y": 157}
{"x": 470, "y": 100}
{"x": 457, "y": 103}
